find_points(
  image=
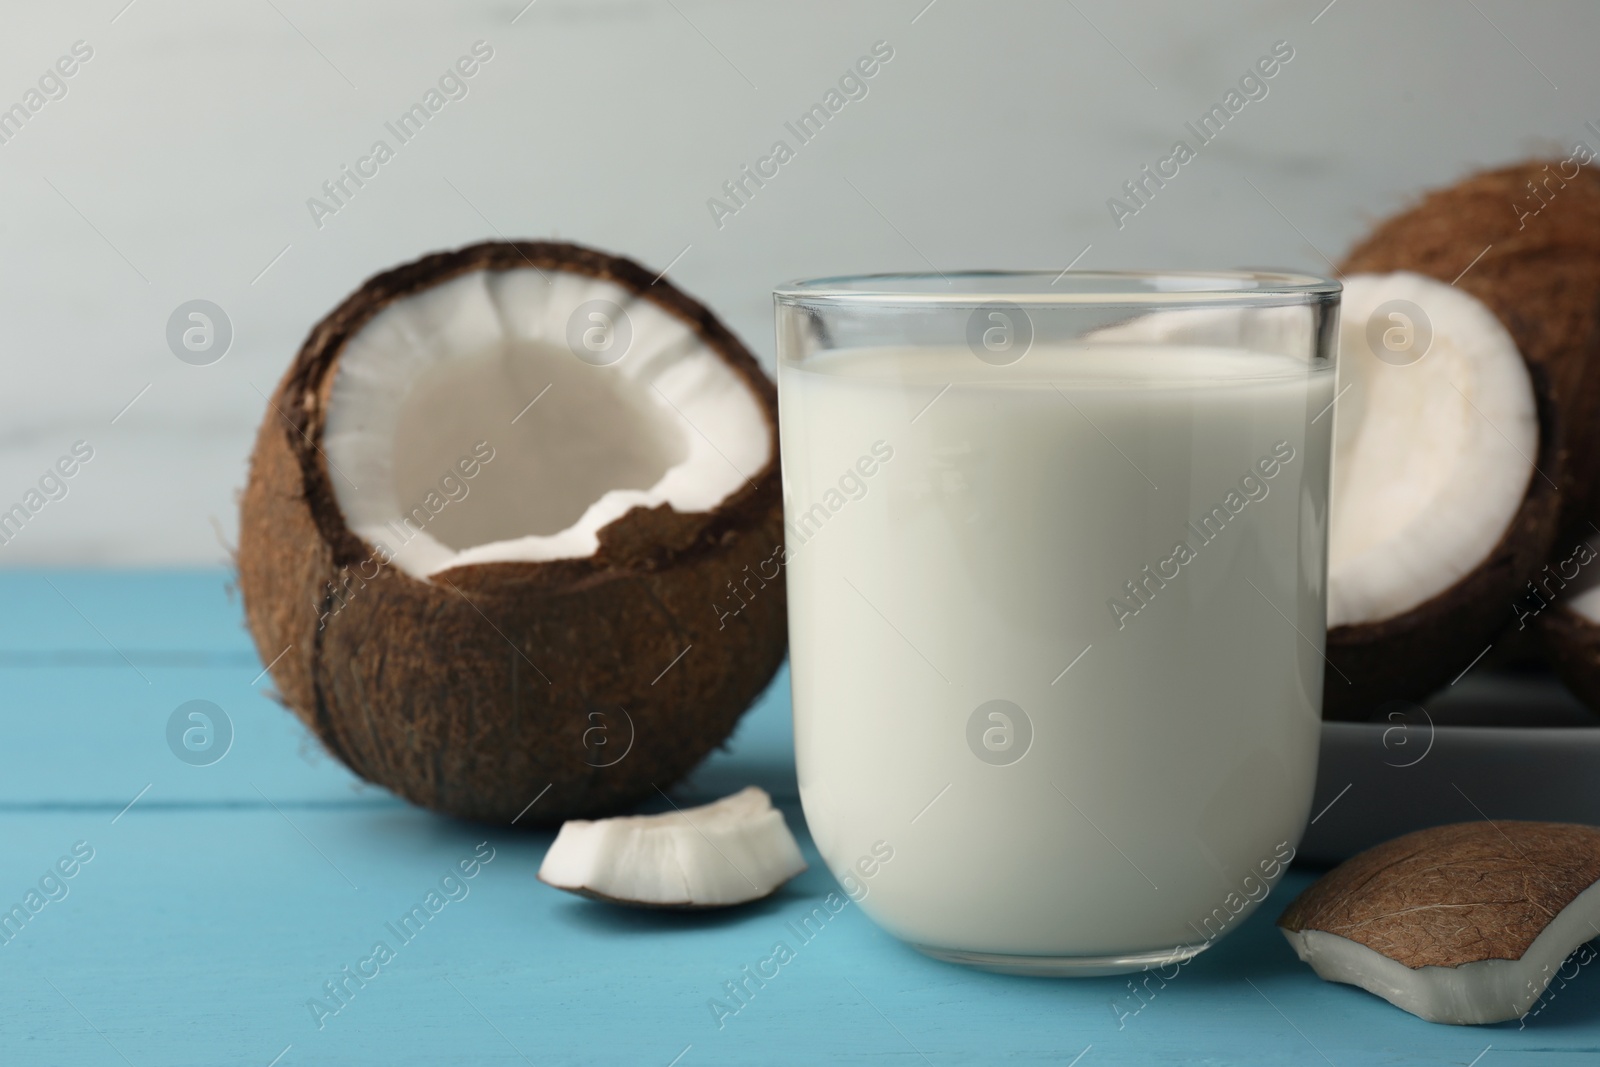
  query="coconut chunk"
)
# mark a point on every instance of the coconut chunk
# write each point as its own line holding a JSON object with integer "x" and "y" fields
{"x": 1456, "y": 924}
{"x": 732, "y": 851}
{"x": 1567, "y": 618}
{"x": 651, "y": 417}
{"x": 1434, "y": 444}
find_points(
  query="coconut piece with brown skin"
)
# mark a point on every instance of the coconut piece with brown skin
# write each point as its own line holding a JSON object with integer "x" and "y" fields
{"x": 494, "y": 513}
{"x": 1457, "y": 924}
{"x": 1437, "y": 426}
{"x": 1568, "y": 621}
{"x": 1525, "y": 241}
{"x": 1438, "y": 510}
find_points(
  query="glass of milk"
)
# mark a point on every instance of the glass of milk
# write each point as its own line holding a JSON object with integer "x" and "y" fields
{"x": 1057, "y": 555}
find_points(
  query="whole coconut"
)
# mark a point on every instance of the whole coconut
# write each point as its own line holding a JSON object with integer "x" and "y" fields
{"x": 1525, "y": 241}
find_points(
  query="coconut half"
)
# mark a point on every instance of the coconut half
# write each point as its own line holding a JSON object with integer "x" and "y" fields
{"x": 1564, "y": 603}
{"x": 1438, "y": 512}
{"x": 1524, "y": 240}
{"x": 1433, "y": 450}
{"x": 650, "y": 416}
{"x": 733, "y": 851}
{"x": 1456, "y": 924}
{"x": 493, "y": 510}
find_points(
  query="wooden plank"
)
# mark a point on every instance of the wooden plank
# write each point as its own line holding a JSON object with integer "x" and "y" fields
{"x": 147, "y": 615}
{"x": 202, "y": 937}
{"x": 98, "y": 735}
{"x": 210, "y": 916}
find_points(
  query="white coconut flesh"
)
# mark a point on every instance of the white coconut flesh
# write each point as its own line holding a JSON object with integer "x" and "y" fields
{"x": 1583, "y": 595}
{"x": 732, "y": 851}
{"x": 1432, "y": 455}
{"x": 1432, "y": 458}
{"x": 1487, "y": 991}
{"x": 436, "y": 382}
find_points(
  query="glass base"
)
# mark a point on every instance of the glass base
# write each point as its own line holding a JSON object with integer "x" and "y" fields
{"x": 1065, "y": 966}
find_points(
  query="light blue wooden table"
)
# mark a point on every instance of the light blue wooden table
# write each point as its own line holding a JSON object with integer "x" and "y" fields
{"x": 220, "y": 899}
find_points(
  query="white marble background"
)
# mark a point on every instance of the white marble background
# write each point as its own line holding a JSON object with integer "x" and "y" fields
{"x": 179, "y": 163}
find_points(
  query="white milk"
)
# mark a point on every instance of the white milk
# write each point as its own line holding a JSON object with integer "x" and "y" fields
{"x": 951, "y": 546}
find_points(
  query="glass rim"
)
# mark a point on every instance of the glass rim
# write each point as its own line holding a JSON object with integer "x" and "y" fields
{"x": 1045, "y": 288}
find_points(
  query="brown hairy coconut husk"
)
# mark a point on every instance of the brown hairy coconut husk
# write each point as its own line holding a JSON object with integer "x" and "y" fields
{"x": 1533, "y": 260}
{"x": 478, "y": 689}
{"x": 1413, "y": 654}
{"x": 1571, "y": 641}
{"x": 1540, "y": 276}
{"x": 1564, "y": 607}
{"x": 1457, "y": 924}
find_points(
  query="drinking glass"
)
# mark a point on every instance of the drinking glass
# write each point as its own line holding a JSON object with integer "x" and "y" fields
{"x": 1057, "y": 553}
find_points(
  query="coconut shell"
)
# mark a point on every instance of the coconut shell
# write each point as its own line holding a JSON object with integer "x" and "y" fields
{"x": 472, "y": 693}
{"x": 1571, "y": 644}
{"x": 1411, "y": 655}
{"x": 1540, "y": 276}
{"x": 1453, "y": 895}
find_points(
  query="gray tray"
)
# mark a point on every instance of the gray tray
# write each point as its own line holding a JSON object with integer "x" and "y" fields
{"x": 1498, "y": 746}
